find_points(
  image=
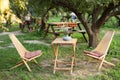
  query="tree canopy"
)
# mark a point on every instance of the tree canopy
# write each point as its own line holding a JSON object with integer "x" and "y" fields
{"x": 91, "y": 13}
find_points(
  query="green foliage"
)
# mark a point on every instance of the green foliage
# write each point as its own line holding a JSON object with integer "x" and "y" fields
{"x": 39, "y": 7}
{"x": 110, "y": 74}
{"x": 19, "y": 7}
{"x": 111, "y": 23}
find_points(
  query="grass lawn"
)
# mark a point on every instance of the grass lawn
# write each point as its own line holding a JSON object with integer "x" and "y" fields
{"x": 44, "y": 70}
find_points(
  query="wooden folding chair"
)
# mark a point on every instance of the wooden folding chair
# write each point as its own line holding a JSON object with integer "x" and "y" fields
{"x": 101, "y": 50}
{"x": 25, "y": 55}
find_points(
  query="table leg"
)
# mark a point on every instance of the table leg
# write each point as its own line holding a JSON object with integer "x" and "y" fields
{"x": 73, "y": 57}
{"x": 53, "y": 31}
{"x": 83, "y": 33}
{"x": 46, "y": 32}
{"x": 72, "y": 64}
{"x": 56, "y": 55}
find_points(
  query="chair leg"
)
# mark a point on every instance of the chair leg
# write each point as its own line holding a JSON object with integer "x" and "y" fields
{"x": 27, "y": 66}
{"x": 103, "y": 59}
{"x": 35, "y": 61}
{"x": 89, "y": 60}
{"x": 19, "y": 64}
{"x": 109, "y": 63}
{"x": 99, "y": 68}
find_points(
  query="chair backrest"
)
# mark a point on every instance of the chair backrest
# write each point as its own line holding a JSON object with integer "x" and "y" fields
{"x": 20, "y": 48}
{"x": 104, "y": 44}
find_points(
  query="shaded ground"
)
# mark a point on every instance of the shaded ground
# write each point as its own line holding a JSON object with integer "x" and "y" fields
{"x": 81, "y": 71}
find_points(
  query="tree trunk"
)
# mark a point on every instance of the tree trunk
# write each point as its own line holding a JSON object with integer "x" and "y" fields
{"x": 21, "y": 25}
{"x": 43, "y": 24}
{"x": 94, "y": 38}
{"x": 44, "y": 18}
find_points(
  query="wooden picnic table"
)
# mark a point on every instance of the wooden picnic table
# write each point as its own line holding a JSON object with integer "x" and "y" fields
{"x": 61, "y": 25}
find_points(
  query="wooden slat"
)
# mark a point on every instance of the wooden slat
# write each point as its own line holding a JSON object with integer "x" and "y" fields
{"x": 62, "y": 68}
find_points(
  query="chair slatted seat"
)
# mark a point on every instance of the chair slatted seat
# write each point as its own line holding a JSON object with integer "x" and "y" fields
{"x": 25, "y": 55}
{"x": 101, "y": 50}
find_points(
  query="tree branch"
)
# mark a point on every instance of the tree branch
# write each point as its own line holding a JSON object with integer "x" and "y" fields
{"x": 95, "y": 15}
{"x": 106, "y": 14}
{"x": 66, "y": 4}
{"x": 114, "y": 13}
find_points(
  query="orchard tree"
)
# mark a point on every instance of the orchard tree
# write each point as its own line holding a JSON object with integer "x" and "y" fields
{"x": 97, "y": 11}
{"x": 91, "y": 13}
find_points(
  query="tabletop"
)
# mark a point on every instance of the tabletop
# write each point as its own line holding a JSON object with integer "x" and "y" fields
{"x": 61, "y": 41}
